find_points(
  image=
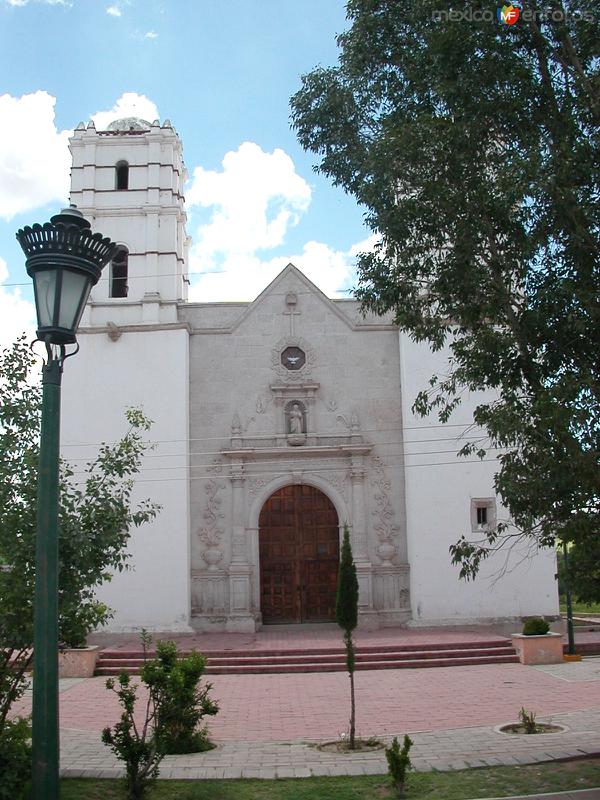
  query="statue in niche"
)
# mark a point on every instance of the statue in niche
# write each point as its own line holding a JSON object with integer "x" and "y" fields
{"x": 295, "y": 420}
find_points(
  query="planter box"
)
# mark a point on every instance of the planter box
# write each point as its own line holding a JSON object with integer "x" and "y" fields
{"x": 545, "y": 649}
{"x": 77, "y": 663}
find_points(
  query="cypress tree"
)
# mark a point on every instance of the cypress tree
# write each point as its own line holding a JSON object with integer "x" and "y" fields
{"x": 346, "y": 614}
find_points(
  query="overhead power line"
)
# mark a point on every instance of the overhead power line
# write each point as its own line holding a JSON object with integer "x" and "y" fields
{"x": 271, "y": 435}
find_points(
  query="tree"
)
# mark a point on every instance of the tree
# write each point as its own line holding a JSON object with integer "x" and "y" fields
{"x": 346, "y": 615}
{"x": 474, "y": 148}
{"x": 583, "y": 571}
{"x": 96, "y": 516}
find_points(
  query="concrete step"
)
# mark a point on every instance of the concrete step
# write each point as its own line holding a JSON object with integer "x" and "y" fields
{"x": 317, "y": 658}
{"x": 267, "y": 669}
{"x": 331, "y": 659}
{"x": 299, "y": 651}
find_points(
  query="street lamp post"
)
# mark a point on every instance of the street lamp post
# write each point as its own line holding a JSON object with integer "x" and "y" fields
{"x": 65, "y": 260}
{"x": 567, "y": 585}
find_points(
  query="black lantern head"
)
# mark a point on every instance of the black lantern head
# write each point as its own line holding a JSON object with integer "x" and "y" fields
{"x": 65, "y": 260}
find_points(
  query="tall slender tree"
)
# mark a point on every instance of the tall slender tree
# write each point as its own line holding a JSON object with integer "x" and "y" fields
{"x": 346, "y": 614}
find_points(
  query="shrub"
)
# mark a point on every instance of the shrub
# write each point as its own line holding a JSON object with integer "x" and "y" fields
{"x": 181, "y": 704}
{"x": 399, "y": 762}
{"x": 527, "y": 720}
{"x": 536, "y": 626}
{"x": 175, "y": 707}
{"x": 138, "y": 748}
{"x": 15, "y": 759}
{"x": 15, "y": 750}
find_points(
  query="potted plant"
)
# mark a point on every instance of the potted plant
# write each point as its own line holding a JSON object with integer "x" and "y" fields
{"x": 75, "y": 658}
{"x": 538, "y": 644}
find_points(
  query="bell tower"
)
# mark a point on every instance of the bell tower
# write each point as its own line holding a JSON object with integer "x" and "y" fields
{"x": 128, "y": 181}
{"x": 135, "y": 353}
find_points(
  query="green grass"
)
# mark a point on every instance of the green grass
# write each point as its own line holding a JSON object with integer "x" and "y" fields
{"x": 581, "y": 608}
{"x": 461, "y": 785}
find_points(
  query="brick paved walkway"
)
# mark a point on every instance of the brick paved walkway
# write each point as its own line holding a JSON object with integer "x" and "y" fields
{"x": 270, "y": 725}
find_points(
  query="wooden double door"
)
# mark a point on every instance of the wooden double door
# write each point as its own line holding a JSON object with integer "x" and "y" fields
{"x": 299, "y": 556}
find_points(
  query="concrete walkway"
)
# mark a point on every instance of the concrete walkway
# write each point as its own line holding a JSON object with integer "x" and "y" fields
{"x": 270, "y": 726}
{"x": 82, "y": 755}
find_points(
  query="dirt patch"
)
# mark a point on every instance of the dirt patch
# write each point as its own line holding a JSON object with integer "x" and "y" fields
{"x": 540, "y": 728}
{"x": 343, "y": 746}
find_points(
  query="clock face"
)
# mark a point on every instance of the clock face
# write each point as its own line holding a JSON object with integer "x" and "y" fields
{"x": 293, "y": 358}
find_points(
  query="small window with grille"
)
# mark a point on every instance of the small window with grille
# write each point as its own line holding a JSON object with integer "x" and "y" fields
{"x": 483, "y": 513}
{"x": 118, "y": 273}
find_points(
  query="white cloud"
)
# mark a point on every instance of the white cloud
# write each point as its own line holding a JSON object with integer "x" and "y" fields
{"x": 16, "y": 314}
{"x": 243, "y": 277}
{"x": 254, "y": 200}
{"x": 114, "y": 11}
{"x": 130, "y": 104}
{"x": 366, "y": 245}
{"x": 151, "y": 35}
{"x": 34, "y": 155}
{"x": 251, "y": 204}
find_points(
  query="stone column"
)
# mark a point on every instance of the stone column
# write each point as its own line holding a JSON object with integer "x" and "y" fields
{"x": 240, "y": 618}
{"x": 360, "y": 550}
{"x": 238, "y": 543}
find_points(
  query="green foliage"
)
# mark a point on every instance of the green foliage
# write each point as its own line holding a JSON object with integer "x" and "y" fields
{"x": 527, "y": 720}
{"x": 346, "y": 607}
{"x": 584, "y": 570}
{"x": 14, "y": 664}
{"x": 535, "y": 626}
{"x": 96, "y": 513}
{"x": 175, "y": 707}
{"x": 137, "y": 747}
{"x": 474, "y": 148}
{"x": 346, "y": 614}
{"x": 15, "y": 759}
{"x": 399, "y": 762}
{"x": 181, "y": 703}
{"x": 96, "y": 516}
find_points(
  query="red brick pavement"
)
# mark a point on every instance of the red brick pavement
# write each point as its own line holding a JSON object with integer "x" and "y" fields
{"x": 301, "y": 706}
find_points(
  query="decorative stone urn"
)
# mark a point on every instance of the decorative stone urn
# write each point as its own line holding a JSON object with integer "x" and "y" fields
{"x": 78, "y": 662}
{"x": 386, "y": 552}
{"x": 542, "y": 649}
{"x": 212, "y": 556}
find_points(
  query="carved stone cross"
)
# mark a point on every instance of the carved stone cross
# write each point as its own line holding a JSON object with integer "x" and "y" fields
{"x": 291, "y": 301}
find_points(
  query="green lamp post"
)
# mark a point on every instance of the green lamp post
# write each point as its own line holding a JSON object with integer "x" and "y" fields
{"x": 65, "y": 260}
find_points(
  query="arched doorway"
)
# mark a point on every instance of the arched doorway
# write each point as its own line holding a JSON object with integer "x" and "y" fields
{"x": 299, "y": 556}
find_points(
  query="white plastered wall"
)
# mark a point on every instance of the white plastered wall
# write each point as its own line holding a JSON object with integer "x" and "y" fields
{"x": 439, "y": 490}
{"x": 149, "y": 370}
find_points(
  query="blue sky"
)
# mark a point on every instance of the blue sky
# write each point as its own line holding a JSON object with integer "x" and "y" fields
{"x": 223, "y": 72}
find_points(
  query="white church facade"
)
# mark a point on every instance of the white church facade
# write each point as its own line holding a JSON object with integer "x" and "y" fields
{"x": 276, "y": 422}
